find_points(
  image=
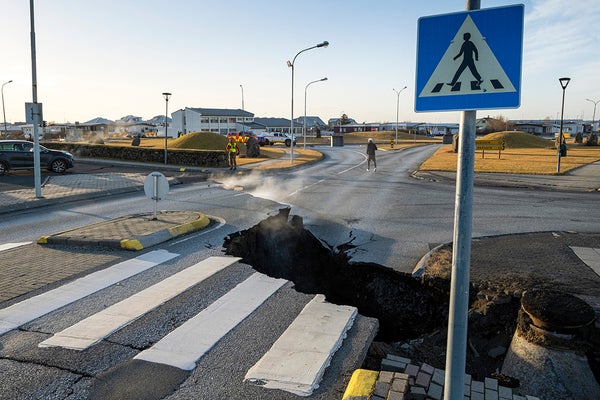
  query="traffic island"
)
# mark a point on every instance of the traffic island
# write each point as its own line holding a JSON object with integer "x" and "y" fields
{"x": 131, "y": 232}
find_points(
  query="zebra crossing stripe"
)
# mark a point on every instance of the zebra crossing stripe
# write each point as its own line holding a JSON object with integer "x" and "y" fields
{"x": 185, "y": 345}
{"x": 20, "y": 313}
{"x": 8, "y": 246}
{"x": 297, "y": 360}
{"x": 98, "y": 326}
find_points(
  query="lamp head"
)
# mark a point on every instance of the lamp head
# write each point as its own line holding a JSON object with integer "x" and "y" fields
{"x": 324, "y": 79}
{"x": 167, "y": 95}
{"x": 564, "y": 82}
{"x": 289, "y": 63}
{"x": 324, "y": 44}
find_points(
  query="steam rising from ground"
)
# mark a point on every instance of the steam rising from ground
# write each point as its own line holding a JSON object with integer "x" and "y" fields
{"x": 261, "y": 185}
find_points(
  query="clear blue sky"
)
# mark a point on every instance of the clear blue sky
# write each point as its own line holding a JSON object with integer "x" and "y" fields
{"x": 113, "y": 58}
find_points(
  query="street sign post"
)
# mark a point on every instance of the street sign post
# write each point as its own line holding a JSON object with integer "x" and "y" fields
{"x": 156, "y": 187}
{"x": 465, "y": 62}
{"x": 470, "y": 60}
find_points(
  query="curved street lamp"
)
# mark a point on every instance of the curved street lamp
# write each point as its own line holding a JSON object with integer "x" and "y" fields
{"x": 166, "y": 96}
{"x": 594, "y": 116}
{"x": 397, "y": 110}
{"x": 305, "y": 89}
{"x": 3, "y": 112}
{"x": 291, "y": 65}
{"x": 564, "y": 82}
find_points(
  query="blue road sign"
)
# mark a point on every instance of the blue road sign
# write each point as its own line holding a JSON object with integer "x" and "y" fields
{"x": 470, "y": 60}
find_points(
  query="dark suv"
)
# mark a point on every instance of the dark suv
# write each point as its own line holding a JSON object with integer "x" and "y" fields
{"x": 18, "y": 154}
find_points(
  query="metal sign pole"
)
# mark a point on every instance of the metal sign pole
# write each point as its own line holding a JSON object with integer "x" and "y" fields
{"x": 155, "y": 196}
{"x": 458, "y": 318}
{"x": 461, "y": 254}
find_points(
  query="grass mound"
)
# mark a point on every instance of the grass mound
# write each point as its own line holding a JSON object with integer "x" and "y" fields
{"x": 519, "y": 140}
{"x": 200, "y": 140}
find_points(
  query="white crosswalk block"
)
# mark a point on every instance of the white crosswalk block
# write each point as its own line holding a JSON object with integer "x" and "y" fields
{"x": 98, "y": 326}
{"x": 8, "y": 246}
{"x": 20, "y": 313}
{"x": 185, "y": 345}
{"x": 297, "y": 360}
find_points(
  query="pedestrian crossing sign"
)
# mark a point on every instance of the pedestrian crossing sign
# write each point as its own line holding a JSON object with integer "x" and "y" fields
{"x": 470, "y": 60}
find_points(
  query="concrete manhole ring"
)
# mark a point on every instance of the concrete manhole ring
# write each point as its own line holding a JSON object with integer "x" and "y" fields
{"x": 555, "y": 310}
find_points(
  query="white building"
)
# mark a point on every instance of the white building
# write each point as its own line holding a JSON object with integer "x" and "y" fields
{"x": 216, "y": 120}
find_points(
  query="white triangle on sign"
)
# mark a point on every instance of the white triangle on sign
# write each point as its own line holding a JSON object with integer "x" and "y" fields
{"x": 492, "y": 75}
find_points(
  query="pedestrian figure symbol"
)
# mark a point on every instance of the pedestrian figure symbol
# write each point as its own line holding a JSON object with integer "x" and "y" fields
{"x": 468, "y": 50}
{"x": 470, "y": 54}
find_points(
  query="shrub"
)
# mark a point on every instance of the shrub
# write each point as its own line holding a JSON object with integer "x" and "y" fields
{"x": 592, "y": 140}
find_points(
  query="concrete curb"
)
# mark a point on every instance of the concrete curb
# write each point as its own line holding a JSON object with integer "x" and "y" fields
{"x": 164, "y": 235}
{"x": 420, "y": 266}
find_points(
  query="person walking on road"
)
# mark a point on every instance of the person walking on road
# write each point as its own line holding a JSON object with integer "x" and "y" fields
{"x": 371, "y": 147}
{"x": 233, "y": 150}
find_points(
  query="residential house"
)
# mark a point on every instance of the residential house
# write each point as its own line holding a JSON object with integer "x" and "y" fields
{"x": 548, "y": 127}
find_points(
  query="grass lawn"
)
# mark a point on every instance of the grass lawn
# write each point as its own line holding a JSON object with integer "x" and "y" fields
{"x": 524, "y": 154}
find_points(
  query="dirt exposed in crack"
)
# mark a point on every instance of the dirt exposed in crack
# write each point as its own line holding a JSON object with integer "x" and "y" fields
{"x": 413, "y": 313}
{"x": 404, "y": 306}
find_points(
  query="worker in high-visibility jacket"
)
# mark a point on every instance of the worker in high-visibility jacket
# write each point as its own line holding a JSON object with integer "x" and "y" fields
{"x": 233, "y": 150}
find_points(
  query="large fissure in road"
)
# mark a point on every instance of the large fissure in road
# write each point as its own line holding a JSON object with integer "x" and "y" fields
{"x": 280, "y": 247}
{"x": 412, "y": 313}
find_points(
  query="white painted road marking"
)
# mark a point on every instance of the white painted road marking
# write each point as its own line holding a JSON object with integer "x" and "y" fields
{"x": 185, "y": 345}
{"x": 297, "y": 360}
{"x": 20, "y": 313}
{"x": 8, "y": 246}
{"x": 100, "y": 325}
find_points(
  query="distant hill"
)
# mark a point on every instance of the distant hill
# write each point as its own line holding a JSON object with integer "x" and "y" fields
{"x": 159, "y": 120}
{"x": 519, "y": 140}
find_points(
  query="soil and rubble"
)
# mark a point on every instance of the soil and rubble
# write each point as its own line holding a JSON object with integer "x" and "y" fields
{"x": 413, "y": 312}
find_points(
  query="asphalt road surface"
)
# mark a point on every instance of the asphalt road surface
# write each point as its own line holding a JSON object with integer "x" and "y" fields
{"x": 386, "y": 216}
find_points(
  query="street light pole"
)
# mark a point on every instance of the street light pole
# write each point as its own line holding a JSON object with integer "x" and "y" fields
{"x": 291, "y": 65}
{"x": 594, "y": 129}
{"x": 37, "y": 108}
{"x": 305, "y": 89}
{"x": 563, "y": 83}
{"x": 397, "y": 110}
{"x": 241, "y": 87}
{"x": 166, "y": 96}
{"x": 3, "y": 112}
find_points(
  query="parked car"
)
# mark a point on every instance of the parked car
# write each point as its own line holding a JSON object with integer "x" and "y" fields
{"x": 275, "y": 137}
{"x": 18, "y": 154}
